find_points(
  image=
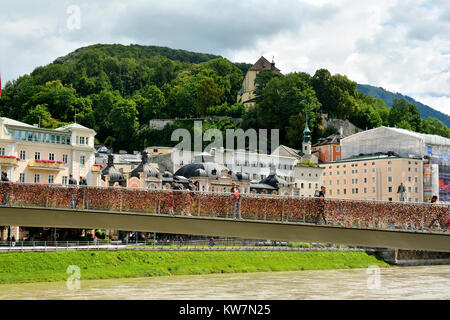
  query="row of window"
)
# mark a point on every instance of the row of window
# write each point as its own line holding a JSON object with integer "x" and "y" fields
{"x": 37, "y": 178}
{"x": 355, "y": 180}
{"x": 51, "y": 156}
{"x": 46, "y": 137}
{"x": 39, "y": 137}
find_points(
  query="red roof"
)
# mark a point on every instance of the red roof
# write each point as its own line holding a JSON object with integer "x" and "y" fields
{"x": 264, "y": 64}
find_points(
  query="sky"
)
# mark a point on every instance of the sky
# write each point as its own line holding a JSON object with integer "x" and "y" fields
{"x": 400, "y": 45}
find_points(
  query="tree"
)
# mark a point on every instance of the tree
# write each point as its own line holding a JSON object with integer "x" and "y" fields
{"x": 208, "y": 94}
{"x": 124, "y": 122}
{"x": 41, "y": 115}
{"x": 153, "y": 103}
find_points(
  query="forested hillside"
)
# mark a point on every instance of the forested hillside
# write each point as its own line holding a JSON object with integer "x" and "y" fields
{"x": 117, "y": 89}
{"x": 389, "y": 97}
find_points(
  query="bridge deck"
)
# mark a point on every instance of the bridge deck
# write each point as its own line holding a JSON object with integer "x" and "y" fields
{"x": 211, "y": 226}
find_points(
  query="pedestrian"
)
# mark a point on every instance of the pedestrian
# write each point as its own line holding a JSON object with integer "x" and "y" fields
{"x": 236, "y": 201}
{"x": 439, "y": 218}
{"x": 13, "y": 240}
{"x": 72, "y": 180}
{"x": 181, "y": 241}
{"x": 211, "y": 242}
{"x": 5, "y": 192}
{"x": 321, "y": 206}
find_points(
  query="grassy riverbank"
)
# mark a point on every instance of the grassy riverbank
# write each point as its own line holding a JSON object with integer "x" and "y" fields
{"x": 52, "y": 266}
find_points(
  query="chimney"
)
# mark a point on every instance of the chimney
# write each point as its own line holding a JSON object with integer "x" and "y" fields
{"x": 272, "y": 65}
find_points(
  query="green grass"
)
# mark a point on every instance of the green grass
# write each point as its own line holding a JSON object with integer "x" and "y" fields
{"x": 52, "y": 266}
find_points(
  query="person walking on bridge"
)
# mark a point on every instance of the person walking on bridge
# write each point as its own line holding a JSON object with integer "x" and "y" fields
{"x": 6, "y": 181}
{"x": 236, "y": 201}
{"x": 322, "y": 206}
{"x": 72, "y": 182}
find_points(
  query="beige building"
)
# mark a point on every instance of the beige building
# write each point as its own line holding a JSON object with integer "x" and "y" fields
{"x": 374, "y": 177}
{"x": 246, "y": 95}
{"x": 30, "y": 154}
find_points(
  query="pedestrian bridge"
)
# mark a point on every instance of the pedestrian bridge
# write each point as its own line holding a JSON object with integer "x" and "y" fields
{"x": 362, "y": 223}
{"x": 210, "y": 226}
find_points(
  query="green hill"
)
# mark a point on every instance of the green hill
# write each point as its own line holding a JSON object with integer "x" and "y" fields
{"x": 117, "y": 90}
{"x": 388, "y": 97}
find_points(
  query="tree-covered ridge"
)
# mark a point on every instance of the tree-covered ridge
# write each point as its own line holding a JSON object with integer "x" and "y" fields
{"x": 117, "y": 90}
{"x": 389, "y": 97}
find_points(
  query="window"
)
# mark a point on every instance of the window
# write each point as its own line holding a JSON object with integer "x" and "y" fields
{"x": 30, "y": 136}
{"x": 82, "y": 160}
{"x": 409, "y": 179}
{"x": 338, "y": 191}
{"x": 390, "y": 169}
{"x": 65, "y": 180}
{"x": 36, "y": 136}
{"x": 37, "y": 156}
{"x": 22, "y": 177}
{"x": 53, "y": 138}
{"x": 365, "y": 190}
{"x": 409, "y": 169}
{"x": 415, "y": 180}
{"x": 47, "y": 138}
{"x": 390, "y": 189}
{"x": 302, "y": 186}
{"x": 310, "y": 186}
{"x": 81, "y": 140}
{"x": 345, "y": 191}
{"x": 51, "y": 178}
{"x": 2, "y": 151}
{"x": 409, "y": 189}
{"x": 65, "y": 158}
{"x": 373, "y": 189}
{"x": 365, "y": 180}
{"x": 389, "y": 179}
{"x": 337, "y": 149}
{"x": 37, "y": 178}
{"x": 23, "y": 135}
{"x": 331, "y": 192}
{"x": 22, "y": 155}
{"x": 51, "y": 156}
{"x": 416, "y": 189}
{"x": 373, "y": 179}
{"x": 58, "y": 139}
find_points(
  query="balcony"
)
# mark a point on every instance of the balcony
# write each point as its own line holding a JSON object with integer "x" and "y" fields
{"x": 46, "y": 165}
{"x": 9, "y": 160}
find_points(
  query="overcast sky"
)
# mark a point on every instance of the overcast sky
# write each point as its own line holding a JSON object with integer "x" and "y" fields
{"x": 400, "y": 45}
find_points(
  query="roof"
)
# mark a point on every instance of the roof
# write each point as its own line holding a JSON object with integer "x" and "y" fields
{"x": 426, "y": 138}
{"x": 14, "y": 122}
{"x": 333, "y": 139}
{"x": 290, "y": 151}
{"x": 73, "y": 126}
{"x": 263, "y": 64}
{"x": 274, "y": 180}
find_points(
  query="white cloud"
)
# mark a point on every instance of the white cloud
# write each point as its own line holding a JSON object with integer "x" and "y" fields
{"x": 441, "y": 104}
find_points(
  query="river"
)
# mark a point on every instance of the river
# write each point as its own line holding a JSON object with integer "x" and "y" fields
{"x": 393, "y": 283}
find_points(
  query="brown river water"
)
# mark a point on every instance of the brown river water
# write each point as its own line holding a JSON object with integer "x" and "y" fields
{"x": 392, "y": 283}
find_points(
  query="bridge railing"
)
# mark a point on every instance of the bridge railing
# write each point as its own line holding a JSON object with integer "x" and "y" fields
{"x": 345, "y": 213}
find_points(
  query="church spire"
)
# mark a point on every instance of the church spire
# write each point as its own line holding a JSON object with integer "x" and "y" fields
{"x": 306, "y": 132}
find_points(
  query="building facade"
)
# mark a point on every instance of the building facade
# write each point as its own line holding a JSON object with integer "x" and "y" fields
{"x": 374, "y": 177}
{"x": 30, "y": 154}
{"x": 246, "y": 95}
